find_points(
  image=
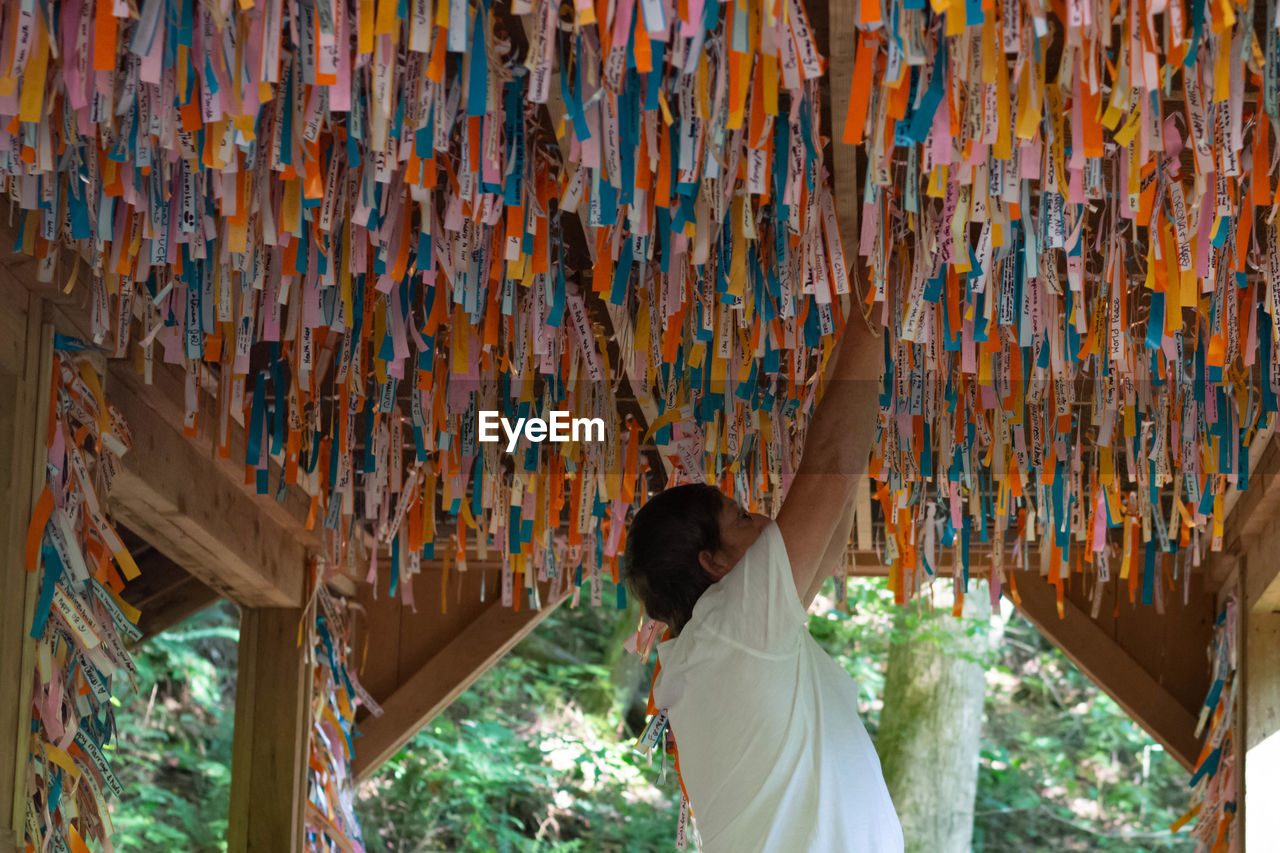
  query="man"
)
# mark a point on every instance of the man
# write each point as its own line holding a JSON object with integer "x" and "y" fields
{"x": 773, "y": 754}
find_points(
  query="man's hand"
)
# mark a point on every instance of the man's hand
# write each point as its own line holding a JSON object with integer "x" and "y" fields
{"x": 836, "y": 448}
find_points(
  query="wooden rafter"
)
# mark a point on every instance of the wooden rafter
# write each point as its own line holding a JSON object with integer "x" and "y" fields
{"x": 837, "y": 34}
{"x": 452, "y": 669}
{"x": 1110, "y": 661}
{"x": 213, "y": 529}
{"x": 164, "y": 592}
{"x": 1252, "y": 529}
{"x": 176, "y": 492}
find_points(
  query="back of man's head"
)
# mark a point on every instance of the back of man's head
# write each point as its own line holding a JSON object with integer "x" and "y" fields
{"x": 666, "y": 535}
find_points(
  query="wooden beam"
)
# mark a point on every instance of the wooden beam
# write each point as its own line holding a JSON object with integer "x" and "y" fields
{"x": 868, "y": 563}
{"x": 453, "y": 669}
{"x": 165, "y": 395}
{"x": 269, "y": 758}
{"x": 26, "y": 359}
{"x": 1260, "y": 634}
{"x": 1262, "y": 571}
{"x": 185, "y": 499}
{"x": 176, "y": 497}
{"x": 1257, "y": 737}
{"x": 1253, "y": 528}
{"x": 839, "y": 28}
{"x": 1111, "y": 667}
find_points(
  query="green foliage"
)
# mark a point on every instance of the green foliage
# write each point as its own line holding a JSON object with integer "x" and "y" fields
{"x": 173, "y": 755}
{"x": 537, "y": 754}
{"x": 859, "y": 641}
{"x": 516, "y": 763}
{"x": 1063, "y": 767}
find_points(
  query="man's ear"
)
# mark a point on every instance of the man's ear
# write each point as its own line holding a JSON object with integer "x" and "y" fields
{"x": 711, "y": 566}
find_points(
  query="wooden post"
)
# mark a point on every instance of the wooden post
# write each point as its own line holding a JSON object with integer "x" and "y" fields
{"x": 26, "y": 355}
{"x": 269, "y": 758}
{"x": 1260, "y": 708}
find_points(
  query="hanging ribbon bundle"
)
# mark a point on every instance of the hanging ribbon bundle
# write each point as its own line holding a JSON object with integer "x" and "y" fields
{"x": 81, "y": 623}
{"x": 365, "y": 222}
{"x": 1068, "y": 218}
{"x": 1213, "y": 784}
{"x": 330, "y": 816}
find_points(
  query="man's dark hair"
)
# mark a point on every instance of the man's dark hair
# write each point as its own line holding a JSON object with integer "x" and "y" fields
{"x": 662, "y": 567}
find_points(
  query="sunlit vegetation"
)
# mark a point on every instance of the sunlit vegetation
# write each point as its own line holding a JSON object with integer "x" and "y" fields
{"x": 536, "y": 755}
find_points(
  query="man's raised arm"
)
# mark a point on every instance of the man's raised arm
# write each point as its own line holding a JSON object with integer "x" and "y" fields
{"x": 834, "y": 554}
{"x": 836, "y": 447}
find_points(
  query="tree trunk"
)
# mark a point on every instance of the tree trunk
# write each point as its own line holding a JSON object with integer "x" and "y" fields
{"x": 931, "y": 723}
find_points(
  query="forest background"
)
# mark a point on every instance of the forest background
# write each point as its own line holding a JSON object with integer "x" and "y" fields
{"x": 538, "y": 754}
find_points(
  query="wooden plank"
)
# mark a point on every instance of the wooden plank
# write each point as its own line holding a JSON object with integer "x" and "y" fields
{"x": 378, "y": 637}
{"x": 837, "y": 34}
{"x": 175, "y": 491}
{"x": 1239, "y": 751}
{"x": 163, "y": 591}
{"x": 421, "y": 635}
{"x": 1113, "y": 668}
{"x": 1170, "y": 646}
{"x": 173, "y": 495}
{"x": 451, "y": 670}
{"x": 1261, "y": 664}
{"x": 1258, "y": 728}
{"x": 1253, "y": 525}
{"x": 1260, "y": 567}
{"x": 26, "y": 358}
{"x": 165, "y": 396}
{"x": 269, "y": 759}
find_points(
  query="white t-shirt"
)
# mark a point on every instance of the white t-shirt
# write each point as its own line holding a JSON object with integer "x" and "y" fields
{"x": 772, "y": 752}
